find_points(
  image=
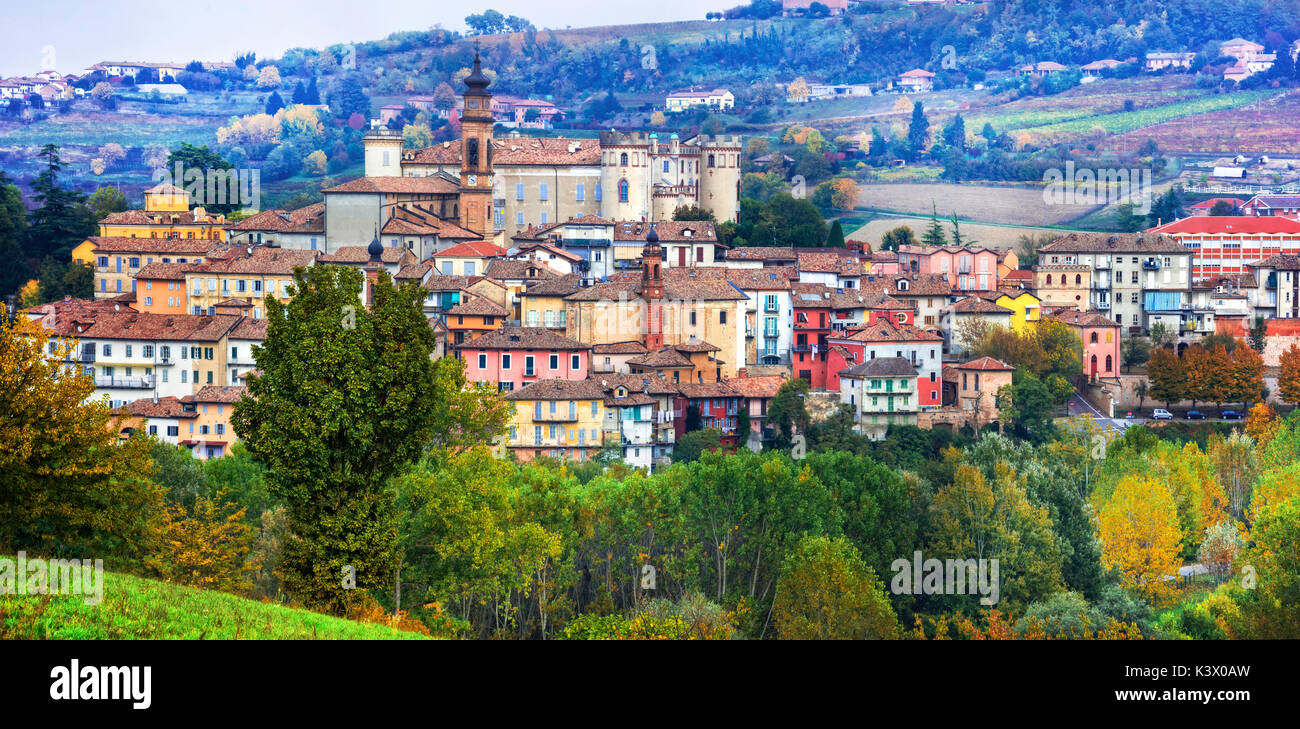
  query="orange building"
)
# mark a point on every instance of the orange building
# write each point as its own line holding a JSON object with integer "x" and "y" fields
{"x": 160, "y": 288}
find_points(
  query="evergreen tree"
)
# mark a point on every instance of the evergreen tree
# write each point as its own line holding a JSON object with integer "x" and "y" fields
{"x": 836, "y": 237}
{"x": 274, "y": 103}
{"x": 934, "y": 235}
{"x": 61, "y": 219}
{"x": 13, "y": 230}
{"x": 312, "y": 94}
{"x": 299, "y": 93}
{"x": 918, "y": 133}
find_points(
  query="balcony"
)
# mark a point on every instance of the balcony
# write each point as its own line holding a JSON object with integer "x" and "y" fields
{"x": 85, "y": 355}
{"x": 1271, "y": 281}
{"x": 1103, "y": 264}
{"x": 1151, "y": 264}
{"x": 562, "y": 416}
{"x": 144, "y": 382}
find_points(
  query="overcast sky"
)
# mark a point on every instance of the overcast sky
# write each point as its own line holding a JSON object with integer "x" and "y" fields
{"x": 72, "y": 34}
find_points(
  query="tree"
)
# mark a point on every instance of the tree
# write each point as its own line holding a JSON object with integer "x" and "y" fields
{"x": 1161, "y": 336}
{"x": 1141, "y": 389}
{"x": 61, "y": 219}
{"x": 1245, "y": 381}
{"x": 202, "y": 546}
{"x": 918, "y": 132}
{"x": 69, "y": 487}
{"x": 191, "y": 157}
{"x": 826, "y": 592}
{"x": 690, "y": 446}
{"x": 786, "y": 412}
{"x": 1258, "y": 333}
{"x": 934, "y": 235}
{"x": 835, "y": 239}
{"x": 13, "y": 231}
{"x": 444, "y": 97}
{"x": 1201, "y": 372}
{"x": 341, "y": 405}
{"x": 844, "y": 193}
{"x": 900, "y": 236}
{"x": 275, "y": 102}
{"x": 1274, "y": 612}
{"x": 349, "y": 98}
{"x": 1167, "y": 376}
{"x": 269, "y": 78}
{"x": 1135, "y": 351}
{"x": 1140, "y": 536}
{"x": 1288, "y": 381}
{"x": 107, "y": 200}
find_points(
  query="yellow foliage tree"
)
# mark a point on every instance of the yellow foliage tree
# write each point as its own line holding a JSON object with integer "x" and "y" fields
{"x": 315, "y": 164}
{"x": 206, "y": 548}
{"x": 68, "y": 484}
{"x": 1139, "y": 534}
{"x": 268, "y": 78}
{"x": 797, "y": 92}
{"x": 844, "y": 193}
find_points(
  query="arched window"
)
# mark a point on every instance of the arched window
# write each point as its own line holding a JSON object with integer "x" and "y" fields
{"x": 1049, "y": 279}
{"x": 711, "y": 161}
{"x": 1108, "y": 363}
{"x": 623, "y": 159}
{"x": 1078, "y": 279}
{"x": 1094, "y": 338}
{"x": 622, "y": 189}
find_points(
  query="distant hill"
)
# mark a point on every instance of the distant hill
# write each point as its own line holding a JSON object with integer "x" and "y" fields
{"x": 878, "y": 40}
{"x": 138, "y": 608}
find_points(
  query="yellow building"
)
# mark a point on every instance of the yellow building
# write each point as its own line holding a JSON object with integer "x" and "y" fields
{"x": 1062, "y": 285}
{"x": 542, "y": 304}
{"x": 1025, "y": 307}
{"x": 254, "y": 276}
{"x": 166, "y": 214}
{"x": 558, "y": 418}
{"x": 210, "y": 434}
{"x": 117, "y": 260}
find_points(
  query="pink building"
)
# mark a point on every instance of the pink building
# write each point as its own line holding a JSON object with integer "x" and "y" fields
{"x": 1100, "y": 337}
{"x": 513, "y": 357}
{"x": 968, "y": 268}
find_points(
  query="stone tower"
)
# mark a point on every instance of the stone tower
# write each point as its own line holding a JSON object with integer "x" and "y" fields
{"x": 476, "y": 154}
{"x": 652, "y": 290}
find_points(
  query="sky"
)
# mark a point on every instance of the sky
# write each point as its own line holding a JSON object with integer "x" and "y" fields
{"x": 69, "y": 35}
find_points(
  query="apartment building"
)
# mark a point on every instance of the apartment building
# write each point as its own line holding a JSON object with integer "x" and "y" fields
{"x": 255, "y": 275}
{"x": 1134, "y": 275}
{"x": 1222, "y": 245}
{"x": 513, "y": 357}
{"x": 881, "y": 392}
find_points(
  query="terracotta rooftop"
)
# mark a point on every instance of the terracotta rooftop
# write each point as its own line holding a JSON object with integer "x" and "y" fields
{"x": 359, "y": 255}
{"x": 261, "y": 260}
{"x": 761, "y": 253}
{"x": 1078, "y": 318}
{"x": 472, "y": 249}
{"x": 589, "y": 389}
{"x": 881, "y": 367}
{"x": 1115, "y": 243}
{"x": 165, "y": 407}
{"x": 180, "y": 246}
{"x": 516, "y": 151}
{"x": 309, "y": 219}
{"x": 985, "y": 364}
{"x": 524, "y": 338}
{"x": 761, "y": 386}
{"x": 477, "y": 306}
{"x": 164, "y": 271}
{"x": 976, "y": 305}
{"x": 220, "y": 394}
{"x": 629, "y": 347}
{"x": 887, "y": 330}
{"x": 431, "y": 185}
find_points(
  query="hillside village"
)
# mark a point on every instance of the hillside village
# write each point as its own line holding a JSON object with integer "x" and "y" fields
{"x": 555, "y": 270}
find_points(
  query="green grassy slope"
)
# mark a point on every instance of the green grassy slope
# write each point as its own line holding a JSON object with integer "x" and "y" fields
{"x": 137, "y": 608}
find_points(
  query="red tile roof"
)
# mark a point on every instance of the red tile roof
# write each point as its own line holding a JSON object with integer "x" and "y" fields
{"x": 985, "y": 364}
{"x": 1230, "y": 225}
{"x": 432, "y": 185}
{"x": 472, "y": 249}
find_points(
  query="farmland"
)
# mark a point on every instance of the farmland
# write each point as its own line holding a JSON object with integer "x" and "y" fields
{"x": 1269, "y": 126}
{"x": 992, "y": 236}
{"x": 1127, "y": 121}
{"x": 137, "y": 608}
{"x": 987, "y": 203}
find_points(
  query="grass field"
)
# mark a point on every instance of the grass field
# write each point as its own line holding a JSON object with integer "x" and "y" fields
{"x": 137, "y": 608}
{"x": 1128, "y": 121}
{"x": 988, "y": 203}
{"x": 991, "y": 236}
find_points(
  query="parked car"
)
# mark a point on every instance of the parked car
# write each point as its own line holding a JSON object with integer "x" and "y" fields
{"x": 1195, "y": 415}
{"x": 1161, "y": 414}
{"x": 1229, "y": 415}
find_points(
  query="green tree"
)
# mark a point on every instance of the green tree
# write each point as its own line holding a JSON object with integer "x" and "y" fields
{"x": 1258, "y": 333}
{"x": 826, "y": 592}
{"x": 690, "y": 446}
{"x": 61, "y": 219}
{"x": 787, "y": 413}
{"x": 13, "y": 231}
{"x": 341, "y": 405}
{"x": 900, "y": 236}
{"x": 107, "y": 200}
{"x": 836, "y": 237}
{"x": 934, "y": 235}
{"x": 918, "y": 132}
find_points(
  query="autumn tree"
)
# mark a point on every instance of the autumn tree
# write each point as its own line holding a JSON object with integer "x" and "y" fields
{"x": 826, "y": 592}
{"x": 1288, "y": 381}
{"x": 1245, "y": 383}
{"x": 69, "y": 487}
{"x": 341, "y": 404}
{"x": 202, "y": 546}
{"x": 1138, "y": 528}
{"x": 1201, "y": 372}
{"x": 1167, "y": 377}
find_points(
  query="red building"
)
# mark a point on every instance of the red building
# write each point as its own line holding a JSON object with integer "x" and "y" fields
{"x": 811, "y": 304}
{"x": 886, "y": 338}
{"x": 1225, "y": 244}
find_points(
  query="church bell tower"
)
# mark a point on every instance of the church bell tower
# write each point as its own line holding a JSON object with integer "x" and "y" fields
{"x": 476, "y": 154}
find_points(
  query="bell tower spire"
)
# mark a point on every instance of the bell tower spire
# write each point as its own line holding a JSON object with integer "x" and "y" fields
{"x": 476, "y": 123}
